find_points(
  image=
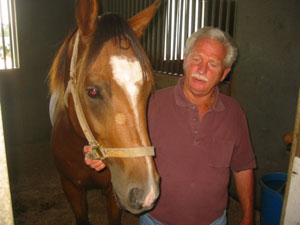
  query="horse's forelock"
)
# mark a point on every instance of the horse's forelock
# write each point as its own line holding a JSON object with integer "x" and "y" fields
{"x": 115, "y": 28}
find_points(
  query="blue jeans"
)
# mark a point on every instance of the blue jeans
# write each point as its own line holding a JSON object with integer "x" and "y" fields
{"x": 149, "y": 220}
{"x": 146, "y": 219}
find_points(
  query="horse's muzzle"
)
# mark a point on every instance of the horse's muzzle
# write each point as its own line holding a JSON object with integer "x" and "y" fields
{"x": 138, "y": 201}
{"x": 136, "y": 198}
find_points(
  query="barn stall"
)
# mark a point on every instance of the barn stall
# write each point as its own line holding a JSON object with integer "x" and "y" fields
{"x": 265, "y": 81}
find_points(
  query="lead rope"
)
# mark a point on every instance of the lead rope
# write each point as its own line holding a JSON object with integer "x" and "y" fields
{"x": 96, "y": 147}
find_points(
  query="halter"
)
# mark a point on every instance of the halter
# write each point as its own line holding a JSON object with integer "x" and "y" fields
{"x": 98, "y": 151}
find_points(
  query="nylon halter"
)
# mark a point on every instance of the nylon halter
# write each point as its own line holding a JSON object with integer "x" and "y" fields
{"x": 98, "y": 151}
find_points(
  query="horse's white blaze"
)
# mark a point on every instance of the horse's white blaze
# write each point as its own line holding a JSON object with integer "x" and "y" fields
{"x": 128, "y": 75}
{"x": 150, "y": 198}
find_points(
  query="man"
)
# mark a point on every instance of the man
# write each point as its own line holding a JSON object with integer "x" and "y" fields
{"x": 199, "y": 134}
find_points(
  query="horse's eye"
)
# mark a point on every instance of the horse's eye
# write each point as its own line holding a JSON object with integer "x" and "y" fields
{"x": 93, "y": 92}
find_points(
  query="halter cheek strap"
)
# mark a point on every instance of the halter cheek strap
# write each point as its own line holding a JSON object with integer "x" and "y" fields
{"x": 98, "y": 151}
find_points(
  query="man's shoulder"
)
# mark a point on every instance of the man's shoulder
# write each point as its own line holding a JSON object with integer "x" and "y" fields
{"x": 165, "y": 91}
{"x": 230, "y": 103}
{"x": 162, "y": 94}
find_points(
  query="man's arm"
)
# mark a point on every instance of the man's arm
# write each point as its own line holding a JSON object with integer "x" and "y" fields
{"x": 244, "y": 181}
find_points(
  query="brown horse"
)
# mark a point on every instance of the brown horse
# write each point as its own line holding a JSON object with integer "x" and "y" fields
{"x": 100, "y": 82}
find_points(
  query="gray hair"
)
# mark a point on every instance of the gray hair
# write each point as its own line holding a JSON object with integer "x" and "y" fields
{"x": 217, "y": 35}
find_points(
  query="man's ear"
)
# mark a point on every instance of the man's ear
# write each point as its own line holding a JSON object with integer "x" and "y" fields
{"x": 225, "y": 73}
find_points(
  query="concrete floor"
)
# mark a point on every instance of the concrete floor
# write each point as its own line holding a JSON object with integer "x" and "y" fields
{"x": 38, "y": 198}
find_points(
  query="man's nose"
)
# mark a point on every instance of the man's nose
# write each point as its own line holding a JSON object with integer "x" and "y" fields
{"x": 202, "y": 68}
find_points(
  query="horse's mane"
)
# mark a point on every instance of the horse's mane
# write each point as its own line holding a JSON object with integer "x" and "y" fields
{"x": 110, "y": 27}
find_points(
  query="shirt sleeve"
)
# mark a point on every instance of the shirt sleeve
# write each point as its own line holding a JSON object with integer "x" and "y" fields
{"x": 243, "y": 157}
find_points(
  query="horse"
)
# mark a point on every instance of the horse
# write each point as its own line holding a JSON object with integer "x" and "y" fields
{"x": 100, "y": 82}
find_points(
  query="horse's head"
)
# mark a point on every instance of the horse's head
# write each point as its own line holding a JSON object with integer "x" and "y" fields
{"x": 113, "y": 79}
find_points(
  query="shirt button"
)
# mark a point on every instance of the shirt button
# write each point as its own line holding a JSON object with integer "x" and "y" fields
{"x": 192, "y": 107}
{"x": 196, "y": 132}
{"x": 195, "y": 118}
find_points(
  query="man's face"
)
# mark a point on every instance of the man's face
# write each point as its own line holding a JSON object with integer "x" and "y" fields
{"x": 204, "y": 67}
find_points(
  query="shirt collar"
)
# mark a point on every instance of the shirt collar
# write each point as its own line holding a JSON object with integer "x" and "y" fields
{"x": 182, "y": 101}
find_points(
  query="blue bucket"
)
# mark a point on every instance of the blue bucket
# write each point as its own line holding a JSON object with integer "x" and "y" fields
{"x": 272, "y": 192}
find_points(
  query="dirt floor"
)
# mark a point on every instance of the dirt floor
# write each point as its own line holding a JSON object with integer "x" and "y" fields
{"x": 39, "y": 200}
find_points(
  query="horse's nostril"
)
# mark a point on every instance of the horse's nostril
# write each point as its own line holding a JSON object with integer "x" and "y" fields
{"x": 136, "y": 198}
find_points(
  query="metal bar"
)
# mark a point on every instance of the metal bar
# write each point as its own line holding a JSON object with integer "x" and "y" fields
{"x": 233, "y": 21}
{"x": 10, "y": 35}
{"x": 213, "y": 13}
{"x": 190, "y": 15}
{"x": 181, "y": 30}
{"x": 202, "y": 8}
{"x": 200, "y": 14}
{"x": 183, "y": 37}
{"x": 228, "y": 8}
{"x": 136, "y": 6}
{"x": 121, "y": 8}
{"x": 14, "y": 34}
{"x": 112, "y": 9}
{"x": 174, "y": 36}
{"x": 118, "y": 6}
{"x": 165, "y": 27}
{"x": 220, "y": 19}
{"x": 154, "y": 39}
{"x": 132, "y": 7}
{"x": 186, "y": 31}
{"x": 171, "y": 36}
{"x": 178, "y": 41}
{"x": 166, "y": 36}
{"x": 187, "y": 4}
{"x": 129, "y": 9}
{"x": 207, "y": 12}
{"x": 143, "y": 39}
{"x": 3, "y": 36}
{"x": 193, "y": 11}
{"x": 148, "y": 34}
{"x": 109, "y": 6}
{"x": 126, "y": 9}
{"x": 160, "y": 35}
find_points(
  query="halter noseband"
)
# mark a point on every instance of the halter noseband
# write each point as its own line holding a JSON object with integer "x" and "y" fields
{"x": 98, "y": 151}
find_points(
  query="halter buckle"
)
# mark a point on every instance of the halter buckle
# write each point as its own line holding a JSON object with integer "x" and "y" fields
{"x": 94, "y": 154}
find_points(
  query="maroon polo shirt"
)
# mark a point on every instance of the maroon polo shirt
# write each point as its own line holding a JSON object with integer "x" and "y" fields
{"x": 194, "y": 156}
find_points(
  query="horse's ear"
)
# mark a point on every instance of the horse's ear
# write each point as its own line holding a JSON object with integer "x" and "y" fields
{"x": 86, "y": 12}
{"x": 140, "y": 21}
